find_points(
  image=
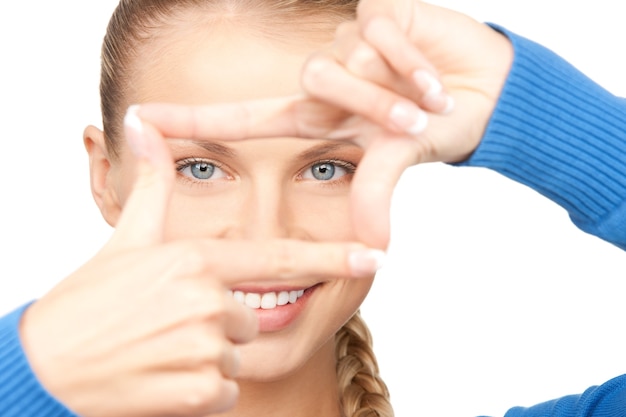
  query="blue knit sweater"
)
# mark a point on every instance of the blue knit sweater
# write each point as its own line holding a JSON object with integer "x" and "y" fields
{"x": 553, "y": 130}
{"x": 563, "y": 135}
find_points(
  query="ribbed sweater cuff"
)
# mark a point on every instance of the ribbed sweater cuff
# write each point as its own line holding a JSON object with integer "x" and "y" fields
{"x": 21, "y": 394}
{"x": 606, "y": 400}
{"x": 563, "y": 135}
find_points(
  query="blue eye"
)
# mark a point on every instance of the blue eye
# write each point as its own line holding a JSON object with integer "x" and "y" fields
{"x": 200, "y": 170}
{"x": 323, "y": 171}
{"x": 328, "y": 170}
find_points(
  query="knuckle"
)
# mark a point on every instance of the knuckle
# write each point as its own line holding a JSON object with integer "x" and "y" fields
{"x": 204, "y": 350}
{"x": 207, "y": 305}
{"x": 199, "y": 300}
{"x": 347, "y": 28}
{"x": 204, "y": 395}
{"x": 362, "y": 60}
{"x": 315, "y": 71}
{"x": 375, "y": 25}
{"x": 382, "y": 103}
{"x": 209, "y": 351}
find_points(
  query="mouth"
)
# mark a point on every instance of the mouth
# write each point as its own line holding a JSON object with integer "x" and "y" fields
{"x": 268, "y": 300}
{"x": 275, "y": 309}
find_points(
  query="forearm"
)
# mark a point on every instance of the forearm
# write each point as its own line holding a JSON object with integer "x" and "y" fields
{"x": 21, "y": 394}
{"x": 563, "y": 135}
{"x": 608, "y": 399}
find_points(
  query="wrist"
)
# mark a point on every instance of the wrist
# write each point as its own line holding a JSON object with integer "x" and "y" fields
{"x": 20, "y": 389}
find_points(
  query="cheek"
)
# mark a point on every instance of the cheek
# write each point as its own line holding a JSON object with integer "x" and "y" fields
{"x": 353, "y": 294}
{"x": 323, "y": 217}
{"x": 341, "y": 301}
{"x": 123, "y": 173}
{"x": 233, "y": 211}
{"x": 192, "y": 216}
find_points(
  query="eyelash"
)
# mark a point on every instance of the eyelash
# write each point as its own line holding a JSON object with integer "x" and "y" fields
{"x": 349, "y": 167}
{"x": 188, "y": 162}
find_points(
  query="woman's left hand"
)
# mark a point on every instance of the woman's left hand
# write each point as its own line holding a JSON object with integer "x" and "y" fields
{"x": 374, "y": 87}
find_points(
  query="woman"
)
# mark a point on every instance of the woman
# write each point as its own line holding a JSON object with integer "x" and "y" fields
{"x": 201, "y": 168}
{"x": 312, "y": 354}
{"x": 542, "y": 123}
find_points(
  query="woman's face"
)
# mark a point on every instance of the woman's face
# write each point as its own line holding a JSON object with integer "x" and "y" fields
{"x": 256, "y": 189}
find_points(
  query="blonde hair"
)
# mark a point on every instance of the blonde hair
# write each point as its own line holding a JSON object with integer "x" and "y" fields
{"x": 135, "y": 24}
{"x": 361, "y": 389}
{"x": 132, "y": 27}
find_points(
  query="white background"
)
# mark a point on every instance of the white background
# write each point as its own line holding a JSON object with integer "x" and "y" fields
{"x": 490, "y": 297}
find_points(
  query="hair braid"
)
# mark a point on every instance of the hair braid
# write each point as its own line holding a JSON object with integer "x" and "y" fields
{"x": 363, "y": 393}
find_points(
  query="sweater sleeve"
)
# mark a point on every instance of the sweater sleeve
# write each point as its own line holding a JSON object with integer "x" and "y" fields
{"x": 563, "y": 135}
{"x": 606, "y": 400}
{"x": 21, "y": 394}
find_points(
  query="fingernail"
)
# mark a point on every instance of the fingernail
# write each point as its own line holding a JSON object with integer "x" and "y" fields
{"x": 409, "y": 118}
{"x": 134, "y": 131}
{"x": 428, "y": 83}
{"x": 434, "y": 97}
{"x": 365, "y": 262}
{"x": 449, "y": 105}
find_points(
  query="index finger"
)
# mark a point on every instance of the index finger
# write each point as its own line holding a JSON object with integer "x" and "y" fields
{"x": 279, "y": 260}
{"x": 273, "y": 117}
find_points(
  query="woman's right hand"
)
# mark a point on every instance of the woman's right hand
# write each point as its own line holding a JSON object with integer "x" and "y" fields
{"x": 146, "y": 327}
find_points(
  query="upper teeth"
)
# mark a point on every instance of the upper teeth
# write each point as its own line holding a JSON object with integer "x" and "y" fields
{"x": 267, "y": 300}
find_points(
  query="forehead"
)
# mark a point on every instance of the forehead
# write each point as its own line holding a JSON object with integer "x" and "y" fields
{"x": 199, "y": 64}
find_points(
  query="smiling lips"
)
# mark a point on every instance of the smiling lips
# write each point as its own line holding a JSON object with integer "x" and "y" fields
{"x": 268, "y": 300}
{"x": 275, "y": 309}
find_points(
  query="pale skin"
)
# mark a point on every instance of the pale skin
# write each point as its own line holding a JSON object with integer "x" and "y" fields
{"x": 259, "y": 191}
{"x": 147, "y": 327}
{"x": 471, "y": 61}
{"x": 376, "y": 64}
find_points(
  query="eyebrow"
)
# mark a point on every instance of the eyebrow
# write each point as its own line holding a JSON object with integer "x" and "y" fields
{"x": 215, "y": 148}
{"x": 312, "y": 153}
{"x": 325, "y": 148}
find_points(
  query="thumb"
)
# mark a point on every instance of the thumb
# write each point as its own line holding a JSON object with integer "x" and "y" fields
{"x": 143, "y": 217}
{"x": 372, "y": 188}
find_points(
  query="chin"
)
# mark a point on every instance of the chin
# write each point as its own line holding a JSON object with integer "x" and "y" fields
{"x": 298, "y": 336}
{"x": 275, "y": 356}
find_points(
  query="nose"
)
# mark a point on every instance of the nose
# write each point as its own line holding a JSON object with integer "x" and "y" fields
{"x": 266, "y": 212}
